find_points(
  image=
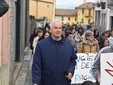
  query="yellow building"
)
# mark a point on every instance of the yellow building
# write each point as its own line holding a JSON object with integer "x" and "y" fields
{"x": 66, "y": 15}
{"x": 42, "y": 9}
{"x": 86, "y": 13}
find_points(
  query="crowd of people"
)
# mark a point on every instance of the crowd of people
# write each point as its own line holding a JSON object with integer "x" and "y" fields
{"x": 54, "y": 50}
{"x": 79, "y": 38}
{"x": 83, "y": 41}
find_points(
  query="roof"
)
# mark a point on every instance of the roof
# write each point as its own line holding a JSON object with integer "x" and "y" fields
{"x": 86, "y": 5}
{"x": 65, "y": 12}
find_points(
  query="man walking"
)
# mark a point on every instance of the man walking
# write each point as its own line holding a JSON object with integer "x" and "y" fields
{"x": 54, "y": 59}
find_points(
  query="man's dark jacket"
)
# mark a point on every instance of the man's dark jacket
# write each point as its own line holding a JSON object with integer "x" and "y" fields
{"x": 52, "y": 59}
{"x": 3, "y": 7}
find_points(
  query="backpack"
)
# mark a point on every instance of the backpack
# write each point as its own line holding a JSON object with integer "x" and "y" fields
{"x": 3, "y": 7}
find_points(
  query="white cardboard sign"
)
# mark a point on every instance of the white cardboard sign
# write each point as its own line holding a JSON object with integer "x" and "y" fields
{"x": 107, "y": 69}
{"x": 83, "y": 68}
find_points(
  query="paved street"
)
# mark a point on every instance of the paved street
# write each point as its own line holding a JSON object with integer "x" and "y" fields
{"x": 24, "y": 75}
{"x": 29, "y": 76}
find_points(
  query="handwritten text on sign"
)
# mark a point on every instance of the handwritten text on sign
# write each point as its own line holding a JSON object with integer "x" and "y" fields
{"x": 83, "y": 68}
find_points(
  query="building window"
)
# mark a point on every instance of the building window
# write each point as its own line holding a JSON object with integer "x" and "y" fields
{"x": 89, "y": 12}
{"x": 62, "y": 18}
{"x": 110, "y": 2}
{"x": 69, "y": 18}
{"x": 89, "y": 21}
{"x": 82, "y": 11}
{"x": 75, "y": 18}
{"x": 47, "y": 5}
{"x": 82, "y": 21}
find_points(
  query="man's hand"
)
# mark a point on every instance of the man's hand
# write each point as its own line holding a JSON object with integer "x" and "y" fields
{"x": 99, "y": 80}
{"x": 69, "y": 76}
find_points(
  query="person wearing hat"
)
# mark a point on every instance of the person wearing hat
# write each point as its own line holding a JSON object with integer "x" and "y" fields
{"x": 89, "y": 43}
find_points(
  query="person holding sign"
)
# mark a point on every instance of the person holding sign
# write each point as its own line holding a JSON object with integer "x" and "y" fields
{"x": 96, "y": 65}
{"x": 89, "y": 43}
{"x": 54, "y": 59}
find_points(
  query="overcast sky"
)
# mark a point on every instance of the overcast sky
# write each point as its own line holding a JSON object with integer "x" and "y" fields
{"x": 70, "y": 4}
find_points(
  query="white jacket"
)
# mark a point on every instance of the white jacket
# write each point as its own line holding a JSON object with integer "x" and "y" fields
{"x": 35, "y": 41}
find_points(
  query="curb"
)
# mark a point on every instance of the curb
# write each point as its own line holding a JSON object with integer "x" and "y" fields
{"x": 21, "y": 77}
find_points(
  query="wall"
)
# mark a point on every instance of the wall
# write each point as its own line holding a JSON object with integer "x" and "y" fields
{"x": 7, "y": 45}
{"x": 42, "y": 8}
{"x": 86, "y": 13}
{"x": 65, "y": 19}
{"x": 15, "y": 19}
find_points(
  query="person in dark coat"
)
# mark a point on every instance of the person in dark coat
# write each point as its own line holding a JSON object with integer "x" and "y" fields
{"x": 54, "y": 59}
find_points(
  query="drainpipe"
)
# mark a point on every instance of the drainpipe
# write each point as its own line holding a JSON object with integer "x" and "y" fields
{"x": 36, "y": 10}
{"x": 1, "y": 42}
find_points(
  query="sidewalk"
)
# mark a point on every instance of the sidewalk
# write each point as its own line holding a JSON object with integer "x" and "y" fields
{"x": 24, "y": 69}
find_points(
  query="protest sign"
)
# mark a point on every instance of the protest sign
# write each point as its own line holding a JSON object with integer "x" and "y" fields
{"x": 83, "y": 68}
{"x": 106, "y": 69}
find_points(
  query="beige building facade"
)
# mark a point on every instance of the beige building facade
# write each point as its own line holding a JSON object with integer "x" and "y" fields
{"x": 42, "y": 9}
{"x": 86, "y": 13}
{"x": 66, "y": 15}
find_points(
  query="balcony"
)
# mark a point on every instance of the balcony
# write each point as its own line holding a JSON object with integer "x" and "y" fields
{"x": 89, "y": 17}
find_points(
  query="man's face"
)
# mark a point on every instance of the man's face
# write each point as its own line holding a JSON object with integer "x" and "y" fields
{"x": 56, "y": 30}
{"x": 70, "y": 37}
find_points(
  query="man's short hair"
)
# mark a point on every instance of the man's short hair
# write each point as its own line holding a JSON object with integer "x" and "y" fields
{"x": 67, "y": 34}
{"x": 51, "y": 24}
